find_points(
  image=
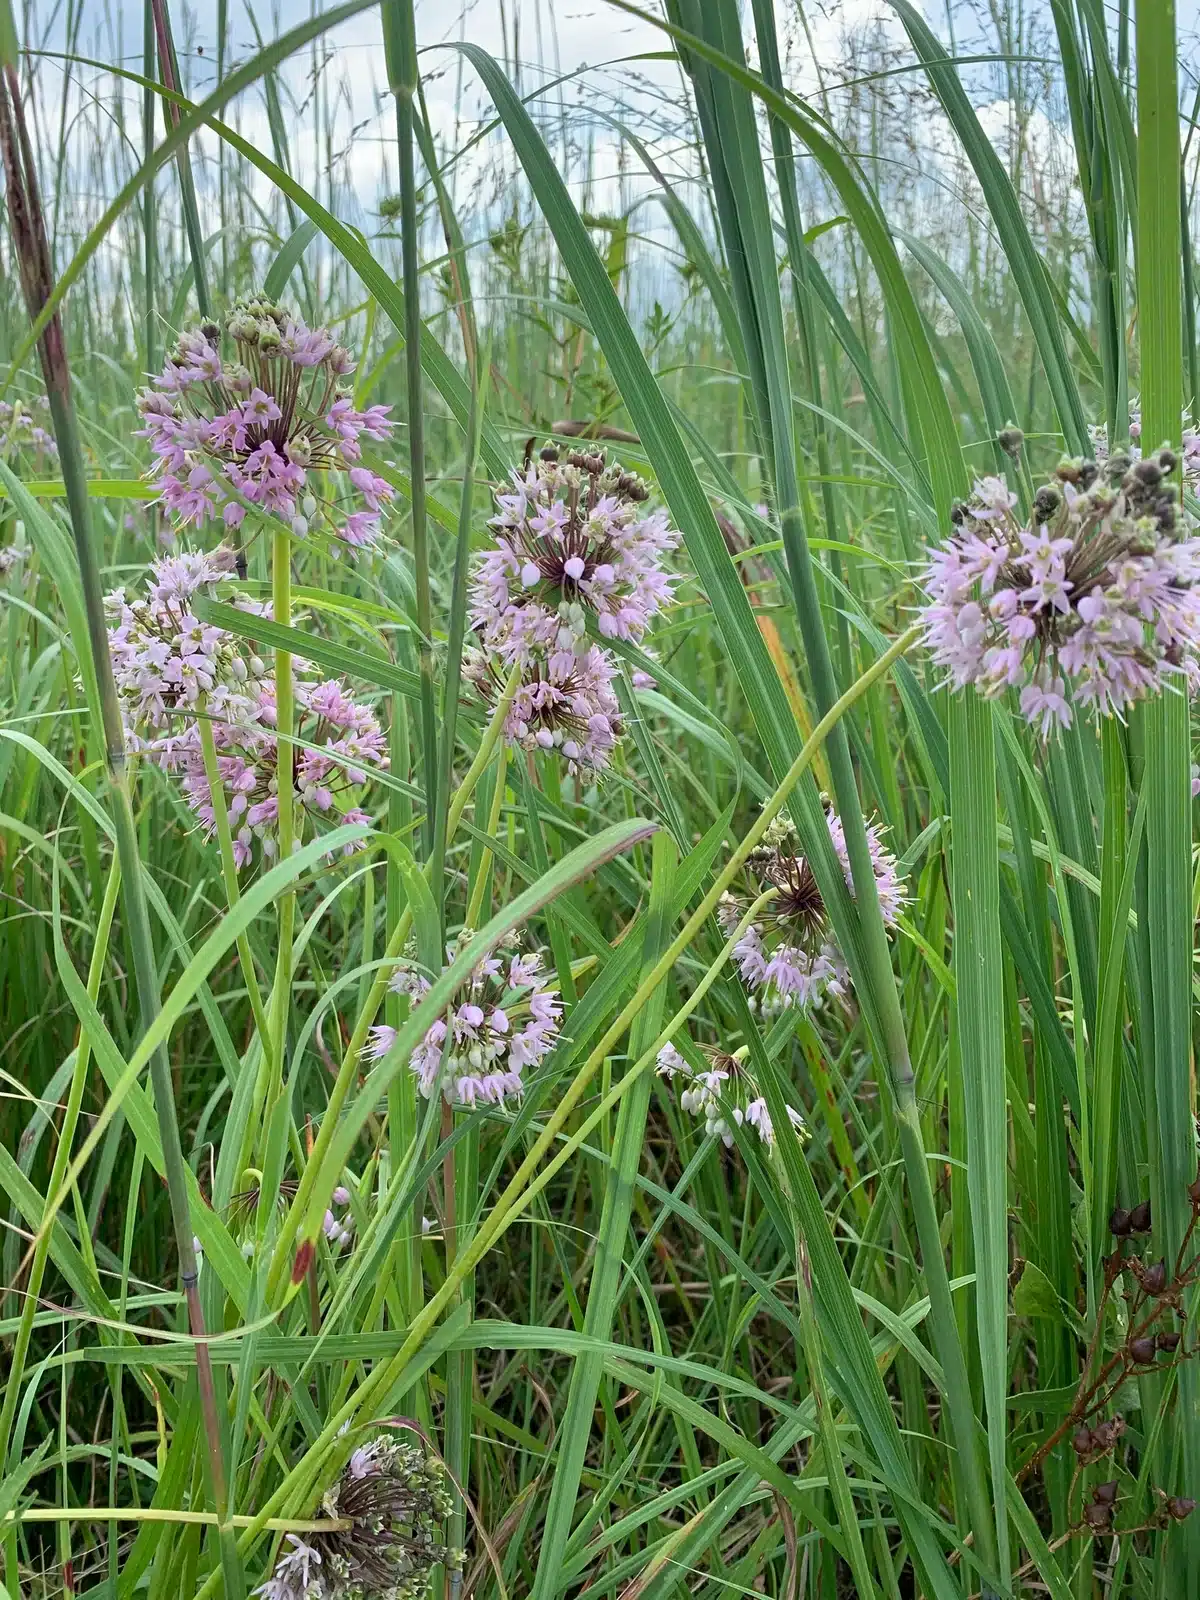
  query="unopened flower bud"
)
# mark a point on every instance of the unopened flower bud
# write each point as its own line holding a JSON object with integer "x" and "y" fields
{"x": 1154, "y": 1279}
{"x": 1139, "y": 1217}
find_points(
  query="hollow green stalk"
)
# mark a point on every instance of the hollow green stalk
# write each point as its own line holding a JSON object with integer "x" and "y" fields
{"x": 230, "y": 878}
{"x": 400, "y": 53}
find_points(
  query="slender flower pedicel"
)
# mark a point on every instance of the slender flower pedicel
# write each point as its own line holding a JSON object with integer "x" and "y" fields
{"x": 789, "y": 956}
{"x": 268, "y": 423}
{"x": 503, "y": 1020}
{"x": 1095, "y": 601}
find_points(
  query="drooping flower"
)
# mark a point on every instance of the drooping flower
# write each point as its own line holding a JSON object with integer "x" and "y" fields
{"x": 272, "y": 424}
{"x": 568, "y": 541}
{"x": 564, "y": 703}
{"x": 1094, "y": 601}
{"x": 789, "y": 955}
{"x": 392, "y": 1498}
{"x": 723, "y": 1093}
{"x": 165, "y": 661}
{"x": 340, "y": 742}
{"x": 25, "y": 436}
{"x": 504, "y": 1019}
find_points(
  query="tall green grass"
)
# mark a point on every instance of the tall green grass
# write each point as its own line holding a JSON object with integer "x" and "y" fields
{"x": 652, "y": 1364}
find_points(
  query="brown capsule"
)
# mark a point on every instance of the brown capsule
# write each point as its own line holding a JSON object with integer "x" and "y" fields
{"x": 1104, "y": 1494}
{"x": 1119, "y": 1223}
{"x": 1179, "y": 1506}
{"x": 1081, "y": 1441}
{"x": 1098, "y": 1517}
{"x": 1139, "y": 1217}
{"x": 1143, "y": 1351}
{"x": 1154, "y": 1279}
{"x": 1194, "y": 1190}
{"x": 1168, "y": 1341}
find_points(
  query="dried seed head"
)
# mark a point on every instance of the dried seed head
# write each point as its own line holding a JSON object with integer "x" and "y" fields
{"x": 1105, "y": 1494}
{"x": 1119, "y": 1223}
{"x": 1098, "y": 1517}
{"x": 1178, "y": 1507}
{"x": 1168, "y": 1342}
{"x": 1143, "y": 1351}
{"x": 1081, "y": 1441}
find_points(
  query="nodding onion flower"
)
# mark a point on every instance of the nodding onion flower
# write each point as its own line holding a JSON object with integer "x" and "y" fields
{"x": 259, "y": 412}
{"x": 1094, "y": 600}
{"x": 565, "y": 703}
{"x": 25, "y": 432}
{"x": 391, "y": 1500}
{"x": 570, "y": 540}
{"x": 723, "y": 1092}
{"x": 504, "y": 1019}
{"x": 789, "y": 954}
{"x": 172, "y": 670}
{"x": 571, "y": 543}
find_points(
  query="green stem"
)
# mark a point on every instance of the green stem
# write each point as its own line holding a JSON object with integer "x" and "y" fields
{"x": 230, "y": 878}
{"x": 400, "y": 52}
{"x": 349, "y": 1066}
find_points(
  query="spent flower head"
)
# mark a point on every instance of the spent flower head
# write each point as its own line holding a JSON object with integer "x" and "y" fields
{"x": 1094, "y": 600}
{"x": 392, "y": 1499}
{"x": 789, "y": 954}
{"x": 504, "y": 1019}
{"x": 259, "y": 413}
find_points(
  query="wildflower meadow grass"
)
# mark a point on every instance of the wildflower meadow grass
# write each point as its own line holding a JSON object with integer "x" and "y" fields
{"x": 597, "y": 951}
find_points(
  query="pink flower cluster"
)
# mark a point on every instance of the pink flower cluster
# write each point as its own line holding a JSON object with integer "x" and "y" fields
{"x": 171, "y": 669}
{"x": 25, "y": 431}
{"x": 565, "y": 702}
{"x": 339, "y": 742}
{"x": 790, "y": 955}
{"x": 504, "y": 1020}
{"x": 570, "y": 542}
{"x": 272, "y": 426}
{"x": 721, "y": 1093}
{"x": 165, "y": 661}
{"x": 1093, "y": 601}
